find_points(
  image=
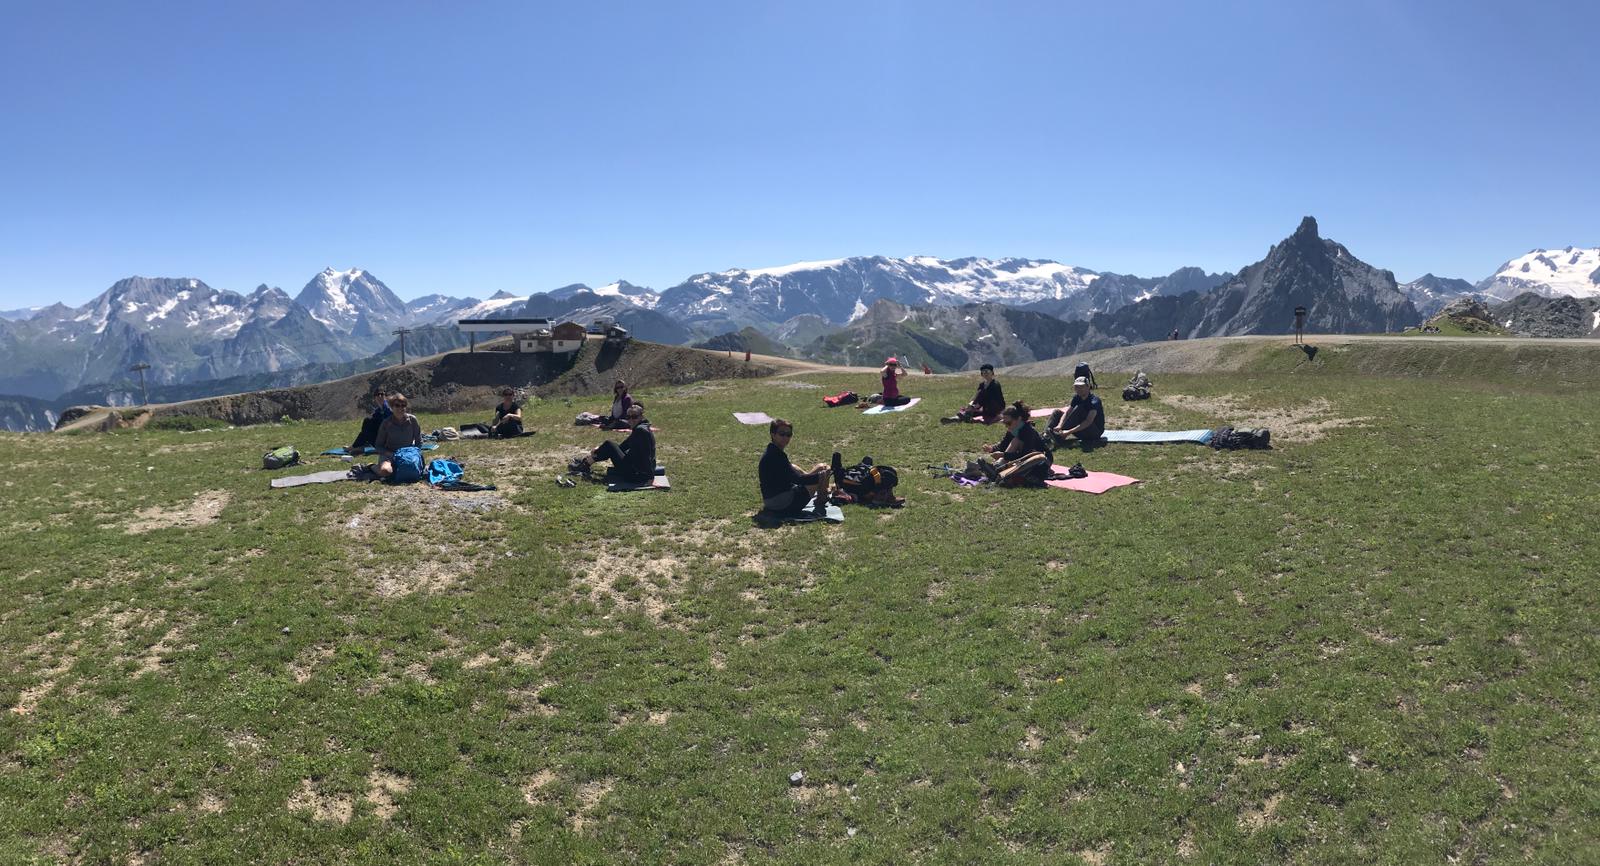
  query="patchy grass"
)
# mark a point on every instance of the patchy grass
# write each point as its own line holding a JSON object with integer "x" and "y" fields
{"x": 1373, "y": 643}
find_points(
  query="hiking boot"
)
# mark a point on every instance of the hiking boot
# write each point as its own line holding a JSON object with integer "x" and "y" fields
{"x": 950, "y": 420}
{"x": 1077, "y": 471}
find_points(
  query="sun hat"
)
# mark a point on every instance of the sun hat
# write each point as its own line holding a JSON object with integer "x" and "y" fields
{"x": 891, "y": 361}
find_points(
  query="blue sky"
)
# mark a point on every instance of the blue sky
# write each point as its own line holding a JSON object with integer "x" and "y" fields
{"x": 469, "y": 148}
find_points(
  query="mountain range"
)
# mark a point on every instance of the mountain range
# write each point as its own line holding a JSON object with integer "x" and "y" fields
{"x": 956, "y": 313}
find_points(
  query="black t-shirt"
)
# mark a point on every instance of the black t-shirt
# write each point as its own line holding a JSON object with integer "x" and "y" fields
{"x": 500, "y": 410}
{"x": 1027, "y": 437}
{"x": 989, "y": 397}
{"x": 1078, "y": 409}
{"x": 776, "y": 473}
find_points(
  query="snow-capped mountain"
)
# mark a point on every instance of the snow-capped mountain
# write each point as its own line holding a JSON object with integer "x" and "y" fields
{"x": 1573, "y": 272}
{"x": 184, "y": 329}
{"x": 621, "y": 289}
{"x": 840, "y": 290}
{"x": 339, "y": 299}
{"x": 1431, "y": 294}
{"x": 501, "y": 305}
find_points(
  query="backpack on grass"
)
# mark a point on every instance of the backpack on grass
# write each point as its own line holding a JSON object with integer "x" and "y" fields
{"x": 277, "y": 458}
{"x": 1138, "y": 388}
{"x": 1227, "y": 438}
{"x": 443, "y": 470}
{"x": 843, "y": 398}
{"x": 1027, "y": 471}
{"x": 867, "y": 482}
{"x": 408, "y": 465}
{"x": 1082, "y": 369}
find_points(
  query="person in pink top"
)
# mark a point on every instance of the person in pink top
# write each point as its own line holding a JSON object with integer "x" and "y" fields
{"x": 891, "y": 373}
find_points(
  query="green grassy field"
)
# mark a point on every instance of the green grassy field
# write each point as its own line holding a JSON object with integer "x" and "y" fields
{"x": 1375, "y": 643}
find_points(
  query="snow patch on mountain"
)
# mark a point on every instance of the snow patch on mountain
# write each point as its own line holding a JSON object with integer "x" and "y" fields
{"x": 1571, "y": 271}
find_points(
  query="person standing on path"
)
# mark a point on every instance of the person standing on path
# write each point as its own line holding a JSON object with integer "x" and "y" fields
{"x": 1299, "y": 325}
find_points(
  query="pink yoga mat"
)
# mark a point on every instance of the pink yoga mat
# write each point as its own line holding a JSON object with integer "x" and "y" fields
{"x": 1097, "y": 482}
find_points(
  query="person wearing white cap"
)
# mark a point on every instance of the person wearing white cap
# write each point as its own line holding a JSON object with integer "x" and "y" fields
{"x": 1084, "y": 420}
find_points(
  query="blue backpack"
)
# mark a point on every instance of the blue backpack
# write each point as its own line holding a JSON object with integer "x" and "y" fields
{"x": 408, "y": 464}
{"x": 443, "y": 470}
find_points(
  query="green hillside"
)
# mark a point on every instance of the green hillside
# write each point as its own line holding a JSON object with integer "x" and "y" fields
{"x": 1347, "y": 649}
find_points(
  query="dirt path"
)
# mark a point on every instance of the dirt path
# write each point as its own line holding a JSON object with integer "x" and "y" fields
{"x": 1235, "y": 353}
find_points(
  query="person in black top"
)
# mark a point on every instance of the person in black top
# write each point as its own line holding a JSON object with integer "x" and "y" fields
{"x": 1021, "y": 439}
{"x": 986, "y": 405}
{"x": 634, "y": 459}
{"x": 507, "y": 415}
{"x": 369, "y": 425}
{"x": 785, "y": 487}
{"x": 1084, "y": 420}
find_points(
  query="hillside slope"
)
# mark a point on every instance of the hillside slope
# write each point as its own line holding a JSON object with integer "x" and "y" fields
{"x": 459, "y": 381}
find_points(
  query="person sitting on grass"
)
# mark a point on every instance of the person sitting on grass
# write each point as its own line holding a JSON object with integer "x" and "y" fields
{"x": 1083, "y": 421}
{"x": 620, "y": 401}
{"x": 1021, "y": 439}
{"x": 369, "y": 425}
{"x": 785, "y": 487}
{"x": 397, "y": 431}
{"x": 507, "y": 415}
{"x": 890, "y": 395}
{"x": 634, "y": 460}
{"x": 986, "y": 405}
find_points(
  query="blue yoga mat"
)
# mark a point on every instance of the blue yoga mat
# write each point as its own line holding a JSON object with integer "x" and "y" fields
{"x": 1202, "y": 437}
{"x": 345, "y": 452}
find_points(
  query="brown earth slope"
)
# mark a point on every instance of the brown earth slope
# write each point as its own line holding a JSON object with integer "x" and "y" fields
{"x": 457, "y": 381}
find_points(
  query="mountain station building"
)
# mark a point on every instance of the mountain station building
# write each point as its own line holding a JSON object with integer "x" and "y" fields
{"x": 527, "y": 335}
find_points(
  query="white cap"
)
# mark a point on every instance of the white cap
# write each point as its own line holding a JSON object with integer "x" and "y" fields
{"x": 1081, "y": 380}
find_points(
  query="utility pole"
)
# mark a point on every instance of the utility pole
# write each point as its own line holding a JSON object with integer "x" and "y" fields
{"x": 402, "y": 332}
{"x": 144, "y": 393}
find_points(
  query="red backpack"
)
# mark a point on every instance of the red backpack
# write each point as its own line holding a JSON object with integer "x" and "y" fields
{"x": 843, "y": 398}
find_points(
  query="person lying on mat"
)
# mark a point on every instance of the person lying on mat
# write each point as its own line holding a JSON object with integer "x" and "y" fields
{"x": 369, "y": 425}
{"x": 785, "y": 487}
{"x": 1084, "y": 420}
{"x": 634, "y": 459}
{"x": 891, "y": 373}
{"x": 507, "y": 415}
{"x": 397, "y": 431}
{"x": 986, "y": 405}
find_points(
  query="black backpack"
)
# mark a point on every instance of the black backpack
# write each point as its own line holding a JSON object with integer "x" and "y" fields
{"x": 1083, "y": 370}
{"x": 866, "y": 481}
{"x": 1230, "y": 439}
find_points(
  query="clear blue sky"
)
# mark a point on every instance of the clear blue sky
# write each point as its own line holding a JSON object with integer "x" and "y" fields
{"x": 467, "y": 148}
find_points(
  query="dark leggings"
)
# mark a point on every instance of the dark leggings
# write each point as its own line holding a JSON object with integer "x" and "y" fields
{"x": 608, "y": 450}
{"x": 896, "y": 401}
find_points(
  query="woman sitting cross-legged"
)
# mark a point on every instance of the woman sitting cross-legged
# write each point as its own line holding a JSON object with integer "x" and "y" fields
{"x": 401, "y": 429}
